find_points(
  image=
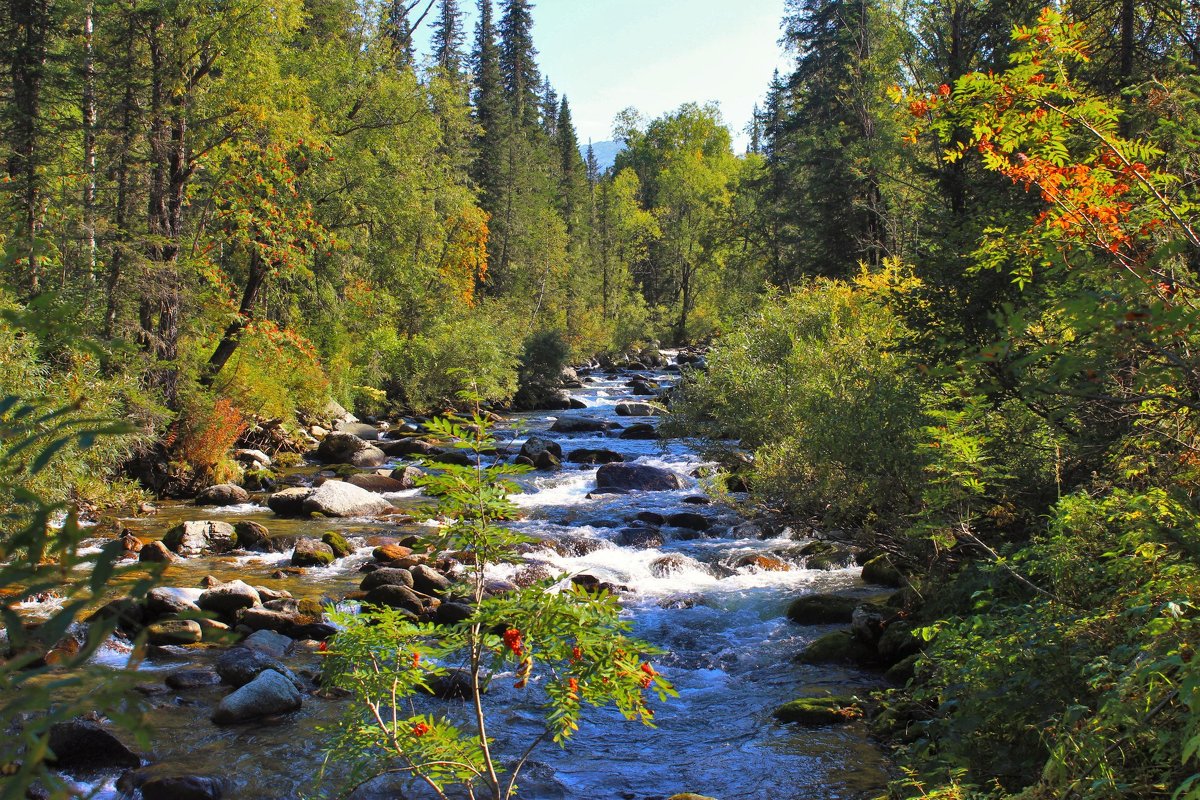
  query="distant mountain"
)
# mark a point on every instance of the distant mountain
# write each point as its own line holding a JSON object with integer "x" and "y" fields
{"x": 606, "y": 153}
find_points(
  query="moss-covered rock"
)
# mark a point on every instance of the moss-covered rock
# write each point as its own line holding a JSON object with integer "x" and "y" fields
{"x": 341, "y": 548}
{"x": 822, "y": 609}
{"x": 881, "y": 571}
{"x": 903, "y": 671}
{"x": 836, "y": 648}
{"x": 819, "y": 710}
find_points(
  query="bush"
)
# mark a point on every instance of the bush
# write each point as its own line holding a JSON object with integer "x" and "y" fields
{"x": 815, "y": 388}
{"x": 543, "y": 358}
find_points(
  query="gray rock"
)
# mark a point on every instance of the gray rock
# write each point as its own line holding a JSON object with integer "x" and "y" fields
{"x": 255, "y": 459}
{"x": 639, "y": 430}
{"x": 380, "y": 484}
{"x": 637, "y": 477}
{"x": 589, "y": 456}
{"x": 394, "y": 596}
{"x": 188, "y": 679}
{"x": 582, "y": 425}
{"x": 238, "y": 666}
{"x": 157, "y": 553}
{"x": 84, "y": 744}
{"x": 229, "y": 597}
{"x": 386, "y": 577}
{"x": 174, "y": 631}
{"x": 164, "y": 600}
{"x": 427, "y": 580}
{"x": 201, "y": 537}
{"x": 689, "y": 519}
{"x": 312, "y": 553}
{"x": 346, "y": 448}
{"x": 640, "y": 538}
{"x": 536, "y": 445}
{"x": 407, "y": 477}
{"x": 183, "y": 787}
{"x": 251, "y": 535}
{"x": 223, "y": 494}
{"x": 636, "y": 410}
{"x": 340, "y": 499}
{"x": 273, "y": 644}
{"x": 269, "y": 619}
{"x": 268, "y": 694}
{"x": 289, "y": 502}
{"x": 368, "y": 433}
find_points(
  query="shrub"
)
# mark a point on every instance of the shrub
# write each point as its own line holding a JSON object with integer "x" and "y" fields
{"x": 816, "y": 388}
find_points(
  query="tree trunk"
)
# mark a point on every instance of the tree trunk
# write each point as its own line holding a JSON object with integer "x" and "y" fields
{"x": 31, "y": 23}
{"x": 258, "y": 271}
{"x": 88, "y": 114}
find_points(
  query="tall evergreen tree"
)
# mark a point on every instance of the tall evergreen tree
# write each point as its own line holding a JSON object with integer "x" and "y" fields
{"x": 490, "y": 111}
{"x": 518, "y": 63}
{"x": 397, "y": 31}
{"x": 447, "y": 39}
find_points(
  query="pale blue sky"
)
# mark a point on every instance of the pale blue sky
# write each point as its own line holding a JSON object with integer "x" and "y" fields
{"x": 654, "y": 55}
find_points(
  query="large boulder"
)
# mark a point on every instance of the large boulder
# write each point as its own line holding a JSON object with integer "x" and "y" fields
{"x": 340, "y": 447}
{"x": 386, "y": 576}
{"x": 380, "y": 484}
{"x": 427, "y": 580}
{"x": 223, "y": 494}
{"x": 589, "y": 456}
{"x": 268, "y": 694}
{"x": 162, "y": 601}
{"x": 536, "y": 445}
{"x": 341, "y": 499}
{"x": 395, "y": 596}
{"x": 83, "y": 744}
{"x": 201, "y": 537}
{"x": 238, "y": 666}
{"x": 407, "y": 477}
{"x": 582, "y": 425}
{"x": 251, "y": 535}
{"x": 881, "y": 571}
{"x": 822, "y": 609}
{"x": 174, "y": 631}
{"x": 228, "y": 598}
{"x": 640, "y": 430}
{"x": 368, "y": 433}
{"x": 636, "y": 410}
{"x": 837, "y": 647}
{"x": 690, "y": 520}
{"x": 289, "y": 502}
{"x": 819, "y": 710}
{"x": 181, "y": 787}
{"x": 640, "y": 538}
{"x": 312, "y": 553}
{"x": 637, "y": 477}
{"x": 157, "y": 553}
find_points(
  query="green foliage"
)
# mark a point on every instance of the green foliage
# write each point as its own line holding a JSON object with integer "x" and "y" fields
{"x": 45, "y": 677}
{"x": 816, "y": 388}
{"x": 543, "y": 357}
{"x": 570, "y": 644}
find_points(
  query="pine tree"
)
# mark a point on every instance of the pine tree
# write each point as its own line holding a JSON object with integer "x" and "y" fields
{"x": 490, "y": 112}
{"x": 397, "y": 31}
{"x": 447, "y": 39}
{"x": 549, "y": 110}
{"x": 518, "y": 63}
{"x": 572, "y": 170}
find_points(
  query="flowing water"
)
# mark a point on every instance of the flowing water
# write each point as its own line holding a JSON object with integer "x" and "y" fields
{"x": 728, "y": 648}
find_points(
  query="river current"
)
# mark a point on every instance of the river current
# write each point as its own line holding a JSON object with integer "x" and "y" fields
{"x": 729, "y": 649}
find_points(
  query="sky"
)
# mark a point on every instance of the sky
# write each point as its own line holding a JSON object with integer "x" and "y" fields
{"x": 654, "y": 55}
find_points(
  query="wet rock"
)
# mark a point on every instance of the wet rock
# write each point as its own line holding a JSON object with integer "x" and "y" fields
{"x": 690, "y": 520}
{"x": 380, "y": 484}
{"x": 270, "y": 619}
{"x": 164, "y": 600}
{"x": 268, "y": 694}
{"x": 368, "y": 433}
{"x": 452, "y": 613}
{"x": 251, "y": 535}
{"x": 897, "y": 643}
{"x": 288, "y": 605}
{"x": 255, "y": 459}
{"x": 174, "y": 631}
{"x": 267, "y": 594}
{"x": 427, "y": 580}
{"x": 637, "y": 477}
{"x": 536, "y": 445}
{"x": 387, "y": 577}
{"x": 882, "y": 572}
{"x": 391, "y": 552}
{"x": 672, "y": 564}
{"x": 289, "y": 502}
{"x": 544, "y": 461}
{"x": 311, "y": 553}
{"x": 640, "y": 538}
{"x": 454, "y": 684}
{"x": 270, "y": 642}
{"x": 533, "y": 573}
{"x": 223, "y": 494}
{"x": 131, "y": 544}
{"x": 683, "y": 600}
{"x": 341, "y": 447}
{"x": 697, "y": 500}
{"x": 904, "y": 670}
{"x": 455, "y": 456}
{"x": 835, "y": 648}
{"x": 229, "y": 598}
{"x": 590, "y": 456}
{"x": 395, "y": 596}
{"x": 822, "y": 609}
{"x": 338, "y": 544}
{"x": 408, "y": 446}
{"x": 868, "y": 621}
{"x": 188, "y": 679}
{"x": 639, "y": 430}
{"x": 407, "y": 477}
{"x": 341, "y": 499}
{"x": 201, "y": 537}
{"x": 763, "y": 562}
{"x": 577, "y": 404}
{"x": 239, "y": 666}
{"x": 819, "y": 711}
{"x": 85, "y": 744}
{"x": 582, "y": 425}
{"x": 636, "y": 410}
{"x": 183, "y": 787}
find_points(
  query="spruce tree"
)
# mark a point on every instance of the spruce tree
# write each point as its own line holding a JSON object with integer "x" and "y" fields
{"x": 397, "y": 32}
{"x": 447, "y": 39}
{"x": 490, "y": 112}
{"x": 518, "y": 63}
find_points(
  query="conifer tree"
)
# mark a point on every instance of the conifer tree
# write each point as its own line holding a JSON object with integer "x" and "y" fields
{"x": 490, "y": 112}
{"x": 518, "y": 63}
{"x": 447, "y": 39}
{"x": 397, "y": 31}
